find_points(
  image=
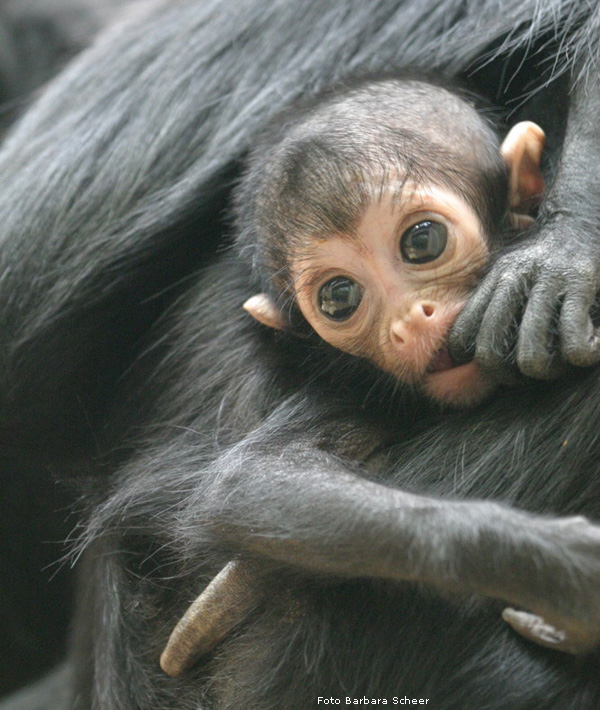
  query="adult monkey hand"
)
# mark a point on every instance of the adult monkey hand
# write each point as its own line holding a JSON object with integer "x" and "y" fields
{"x": 548, "y": 283}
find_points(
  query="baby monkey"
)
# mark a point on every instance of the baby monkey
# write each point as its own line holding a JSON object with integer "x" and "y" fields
{"x": 370, "y": 216}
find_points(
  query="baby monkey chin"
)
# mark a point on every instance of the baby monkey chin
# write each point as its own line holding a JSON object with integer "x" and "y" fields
{"x": 441, "y": 361}
{"x": 459, "y": 386}
{"x": 448, "y": 384}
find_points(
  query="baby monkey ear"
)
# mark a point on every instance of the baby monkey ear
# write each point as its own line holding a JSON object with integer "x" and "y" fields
{"x": 263, "y": 309}
{"x": 522, "y": 151}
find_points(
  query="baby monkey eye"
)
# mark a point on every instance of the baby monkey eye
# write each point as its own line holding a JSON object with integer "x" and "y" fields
{"x": 339, "y": 298}
{"x": 423, "y": 242}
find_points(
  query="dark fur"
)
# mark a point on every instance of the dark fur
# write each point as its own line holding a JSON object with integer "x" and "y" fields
{"x": 118, "y": 178}
{"x": 37, "y": 38}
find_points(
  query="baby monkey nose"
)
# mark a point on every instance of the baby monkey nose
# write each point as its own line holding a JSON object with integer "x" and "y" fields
{"x": 405, "y": 330}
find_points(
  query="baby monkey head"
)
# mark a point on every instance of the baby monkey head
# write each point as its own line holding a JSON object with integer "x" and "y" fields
{"x": 373, "y": 213}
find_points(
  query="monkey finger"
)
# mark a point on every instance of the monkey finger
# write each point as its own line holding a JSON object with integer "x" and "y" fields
{"x": 534, "y": 628}
{"x": 225, "y": 603}
{"x": 498, "y": 333}
{"x": 580, "y": 343}
{"x": 463, "y": 334}
{"x": 537, "y": 344}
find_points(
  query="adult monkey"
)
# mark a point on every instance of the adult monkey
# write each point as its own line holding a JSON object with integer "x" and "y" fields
{"x": 139, "y": 206}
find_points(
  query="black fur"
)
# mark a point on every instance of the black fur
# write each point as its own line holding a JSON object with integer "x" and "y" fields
{"x": 37, "y": 38}
{"x": 125, "y": 368}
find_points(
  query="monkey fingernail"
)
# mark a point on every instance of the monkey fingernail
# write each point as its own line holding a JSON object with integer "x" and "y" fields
{"x": 534, "y": 628}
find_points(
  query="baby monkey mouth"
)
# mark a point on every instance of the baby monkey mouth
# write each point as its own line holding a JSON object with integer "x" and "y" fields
{"x": 441, "y": 361}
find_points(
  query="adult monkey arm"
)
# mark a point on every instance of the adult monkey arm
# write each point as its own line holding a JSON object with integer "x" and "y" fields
{"x": 551, "y": 281}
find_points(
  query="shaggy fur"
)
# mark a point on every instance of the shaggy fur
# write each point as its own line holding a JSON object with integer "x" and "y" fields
{"x": 127, "y": 366}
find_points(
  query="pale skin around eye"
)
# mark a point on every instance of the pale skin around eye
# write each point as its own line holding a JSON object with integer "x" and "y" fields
{"x": 402, "y": 321}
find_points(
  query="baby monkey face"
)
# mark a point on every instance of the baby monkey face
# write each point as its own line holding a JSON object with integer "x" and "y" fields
{"x": 390, "y": 291}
